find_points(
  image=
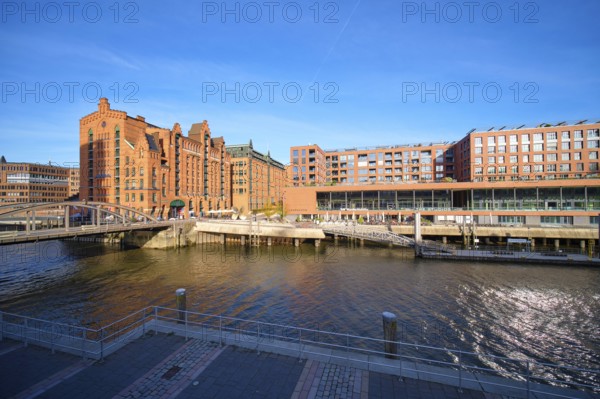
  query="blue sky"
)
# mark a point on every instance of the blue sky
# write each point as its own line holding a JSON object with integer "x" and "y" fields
{"x": 369, "y": 73}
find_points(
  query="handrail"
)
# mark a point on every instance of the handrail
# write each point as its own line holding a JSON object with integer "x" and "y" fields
{"x": 98, "y": 341}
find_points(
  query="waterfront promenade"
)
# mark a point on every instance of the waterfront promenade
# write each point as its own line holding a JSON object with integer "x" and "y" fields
{"x": 167, "y": 366}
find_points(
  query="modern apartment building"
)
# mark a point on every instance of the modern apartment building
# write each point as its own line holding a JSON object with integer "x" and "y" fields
{"x": 128, "y": 161}
{"x": 22, "y": 182}
{"x": 310, "y": 165}
{"x": 547, "y": 174}
{"x": 559, "y": 151}
{"x": 258, "y": 180}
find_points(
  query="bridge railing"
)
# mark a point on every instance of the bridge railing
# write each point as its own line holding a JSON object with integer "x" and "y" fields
{"x": 369, "y": 233}
{"x": 465, "y": 369}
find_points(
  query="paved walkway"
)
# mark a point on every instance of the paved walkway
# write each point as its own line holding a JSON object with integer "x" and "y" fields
{"x": 167, "y": 366}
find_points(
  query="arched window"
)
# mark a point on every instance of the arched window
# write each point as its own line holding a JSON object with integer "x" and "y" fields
{"x": 91, "y": 135}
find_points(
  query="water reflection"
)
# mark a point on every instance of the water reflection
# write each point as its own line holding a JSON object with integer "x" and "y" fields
{"x": 549, "y": 314}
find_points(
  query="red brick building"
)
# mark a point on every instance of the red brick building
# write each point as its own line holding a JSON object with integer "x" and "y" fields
{"x": 126, "y": 160}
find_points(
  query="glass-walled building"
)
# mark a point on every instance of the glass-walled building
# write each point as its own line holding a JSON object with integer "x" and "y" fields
{"x": 565, "y": 202}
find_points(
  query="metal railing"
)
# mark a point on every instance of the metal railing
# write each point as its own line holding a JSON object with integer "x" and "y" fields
{"x": 368, "y": 233}
{"x": 464, "y": 369}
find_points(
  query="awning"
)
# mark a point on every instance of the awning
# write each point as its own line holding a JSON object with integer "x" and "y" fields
{"x": 177, "y": 204}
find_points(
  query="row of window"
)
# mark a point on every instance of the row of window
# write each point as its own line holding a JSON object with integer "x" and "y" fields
{"x": 539, "y": 137}
{"x": 514, "y": 169}
{"x": 576, "y": 156}
{"x": 514, "y": 148}
{"x": 388, "y": 179}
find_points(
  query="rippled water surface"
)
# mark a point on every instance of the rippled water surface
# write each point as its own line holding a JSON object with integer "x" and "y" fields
{"x": 549, "y": 314}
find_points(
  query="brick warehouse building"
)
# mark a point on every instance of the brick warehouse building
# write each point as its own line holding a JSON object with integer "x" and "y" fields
{"x": 546, "y": 174}
{"x": 22, "y": 182}
{"x": 258, "y": 181}
{"x": 126, "y": 160}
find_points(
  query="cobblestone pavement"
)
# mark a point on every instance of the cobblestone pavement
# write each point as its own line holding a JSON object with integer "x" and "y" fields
{"x": 324, "y": 380}
{"x": 168, "y": 378}
{"x": 168, "y": 366}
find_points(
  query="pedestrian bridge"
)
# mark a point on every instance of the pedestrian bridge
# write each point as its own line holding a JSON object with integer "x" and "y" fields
{"x": 32, "y": 222}
{"x": 368, "y": 233}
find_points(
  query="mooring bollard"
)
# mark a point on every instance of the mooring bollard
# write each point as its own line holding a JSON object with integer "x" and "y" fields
{"x": 181, "y": 306}
{"x": 390, "y": 324}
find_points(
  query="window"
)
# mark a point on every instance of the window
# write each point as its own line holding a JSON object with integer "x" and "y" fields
{"x": 525, "y": 138}
{"x": 538, "y": 137}
{"x": 502, "y": 149}
{"x": 514, "y": 148}
{"x": 514, "y": 159}
{"x": 566, "y": 136}
{"x": 556, "y": 219}
{"x": 565, "y": 145}
{"x": 526, "y": 169}
{"x": 565, "y": 167}
{"x": 538, "y": 147}
{"x": 513, "y": 138}
{"x": 594, "y": 167}
{"x": 593, "y": 133}
{"x": 491, "y": 170}
{"x": 514, "y": 169}
{"x": 551, "y": 157}
{"x": 500, "y": 159}
{"x": 511, "y": 219}
{"x": 538, "y": 168}
{"x": 593, "y": 155}
{"x": 478, "y": 150}
{"x": 578, "y": 134}
{"x": 594, "y": 144}
{"x": 502, "y": 170}
{"x": 552, "y": 147}
{"x": 525, "y": 147}
{"x": 525, "y": 158}
{"x": 577, "y": 156}
{"x": 479, "y": 170}
{"x": 538, "y": 158}
{"x": 491, "y": 159}
{"x": 141, "y": 171}
{"x": 578, "y": 145}
{"x": 491, "y": 140}
{"x": 478, "y": 141}
{"x": 551, "y": 168}
{"x": 551, "y": 136}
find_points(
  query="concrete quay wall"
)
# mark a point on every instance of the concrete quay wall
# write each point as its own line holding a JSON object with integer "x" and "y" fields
{"x": 563, "y": 233}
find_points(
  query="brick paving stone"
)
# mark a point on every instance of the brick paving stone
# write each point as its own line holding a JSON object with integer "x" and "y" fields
{"x": 106, "y": 378}
{"x": 242, "y": 373}
{"x": 170, "y": 377}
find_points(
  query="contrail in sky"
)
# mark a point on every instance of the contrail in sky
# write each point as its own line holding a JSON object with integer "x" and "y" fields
{"x": 337, "y": 39}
